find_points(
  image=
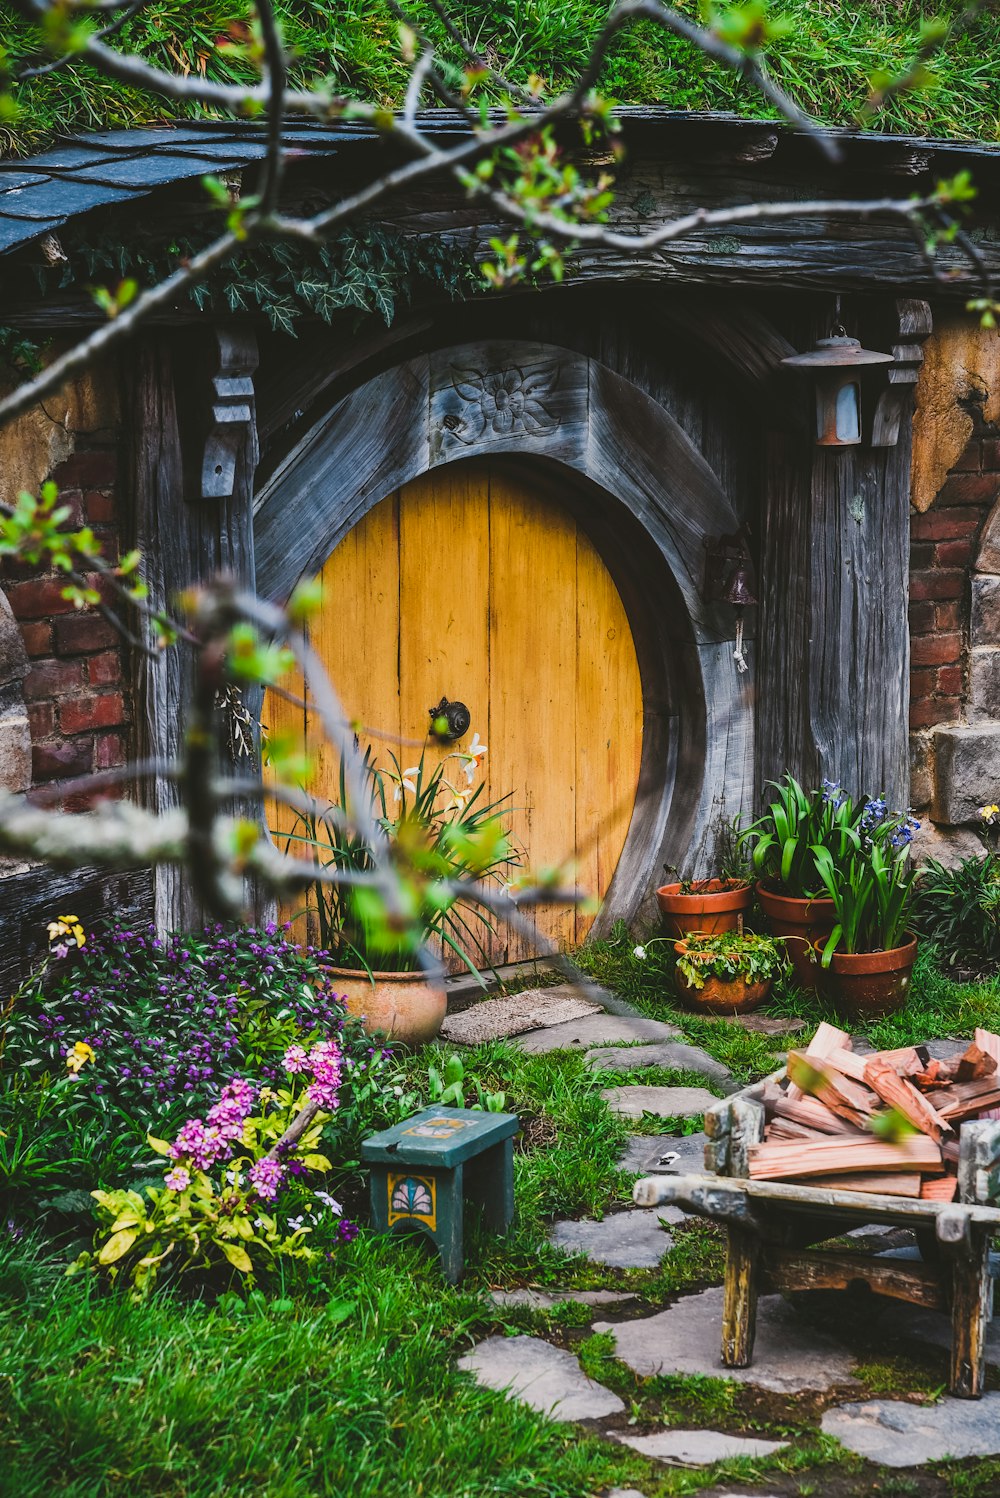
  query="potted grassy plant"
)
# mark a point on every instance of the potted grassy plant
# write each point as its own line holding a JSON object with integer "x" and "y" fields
{"x": 728, "y": 972}
{"x": 869, "y": 954}
{"x": 440, "y": 831}
{"x": 783, "y": 844}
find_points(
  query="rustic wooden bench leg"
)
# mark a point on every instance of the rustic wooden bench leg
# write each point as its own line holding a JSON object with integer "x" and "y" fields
{"x": 739, "y": 1305}
{"x": 971, "y": 1308}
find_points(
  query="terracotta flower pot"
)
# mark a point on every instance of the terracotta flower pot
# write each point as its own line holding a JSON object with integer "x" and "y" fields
{"x": 868, "y": 984}
{"x": 714, "y": 905}
{"x": 800, "y": 922}
{"x": 402, "y": 1006}
{"x": 719, "y": 995}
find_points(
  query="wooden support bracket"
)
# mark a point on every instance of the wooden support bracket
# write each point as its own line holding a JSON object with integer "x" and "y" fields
{"x": 233, "y": 411}
{"x": 913, "y": 326}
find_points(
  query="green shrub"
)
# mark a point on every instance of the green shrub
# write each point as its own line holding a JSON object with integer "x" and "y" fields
{"x": 959, "y": 910}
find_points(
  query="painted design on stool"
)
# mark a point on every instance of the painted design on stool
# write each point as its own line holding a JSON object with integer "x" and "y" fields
{"x": 413, "y": 1198}
{"x": 439, "y": 1128}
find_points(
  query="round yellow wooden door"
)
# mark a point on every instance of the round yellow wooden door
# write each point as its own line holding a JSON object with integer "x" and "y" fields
{"x": 467, "y": 584}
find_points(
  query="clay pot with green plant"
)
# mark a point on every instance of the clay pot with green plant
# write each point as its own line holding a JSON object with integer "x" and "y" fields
{"x": 730, "y": 972}
{"x": 867, "y": 960}
{"x": 440, "y": 833}
{"x": 783, "y": 843}
{"x": 710, "y": 905}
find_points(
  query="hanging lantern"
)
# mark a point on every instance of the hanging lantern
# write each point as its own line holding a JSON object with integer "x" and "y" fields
{"x": 836, "y": 364}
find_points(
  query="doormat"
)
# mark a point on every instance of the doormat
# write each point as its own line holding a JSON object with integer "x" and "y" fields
{"x": 497, "y": 1019}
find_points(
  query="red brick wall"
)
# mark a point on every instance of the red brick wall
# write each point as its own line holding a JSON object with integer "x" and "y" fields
{"x": 943, "y": 546}
{"x": 76, "y": 693}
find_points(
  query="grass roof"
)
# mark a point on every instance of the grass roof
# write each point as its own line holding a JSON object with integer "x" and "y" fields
{"x": 827, "y": 59}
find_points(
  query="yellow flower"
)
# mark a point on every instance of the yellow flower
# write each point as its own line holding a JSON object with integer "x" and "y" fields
{"x": 986, "y": 812}
{"x": 66, "y": 926}
{"x": 79, "y": 1056}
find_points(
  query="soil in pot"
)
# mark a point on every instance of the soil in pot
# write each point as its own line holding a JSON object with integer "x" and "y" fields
{"x": 868, "y": 984}
{"x": 719, "y": 995}
{"x": 404, "y": 1007}
{"x": 713, "y": 905}
{"x": 800, "y": 922}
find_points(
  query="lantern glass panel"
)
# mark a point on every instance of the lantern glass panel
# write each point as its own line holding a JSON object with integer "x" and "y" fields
{"x": 848, "y": 423}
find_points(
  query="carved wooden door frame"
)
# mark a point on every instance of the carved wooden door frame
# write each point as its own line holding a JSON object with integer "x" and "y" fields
{"x": 640, "y": 487}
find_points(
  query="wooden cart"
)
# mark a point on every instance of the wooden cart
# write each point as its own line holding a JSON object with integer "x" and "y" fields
{"x": 771, "y": 1226}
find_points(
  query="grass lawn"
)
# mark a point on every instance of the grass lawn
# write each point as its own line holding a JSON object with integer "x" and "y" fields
{"x": 826, "y": 59}
{"x": 343, "y": 1379}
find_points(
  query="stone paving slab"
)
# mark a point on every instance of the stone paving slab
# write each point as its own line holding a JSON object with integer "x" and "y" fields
{"x": 625, "y": 1493}
{"x": 789, "y": 1353}
{"x": 623, "y": 1240}
{"x": 594, "y": 1030}
{"x": 499, "y": 1019}
{"x": 544, "y": 1300}
{"x": 663, "y": 1102}
{"x": 908, "y": 1435}
{"x": 763, "y": 1024}
{"x": 912, "y": 1323}
{"x": 546, "y": 1377}
{"x": 667, "y": 1053}
{"x": 699, "y": 1448}
{"x": 650, "y": 1154}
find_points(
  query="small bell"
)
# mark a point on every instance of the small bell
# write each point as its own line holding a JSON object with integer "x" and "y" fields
{"x": 740, "y": 587}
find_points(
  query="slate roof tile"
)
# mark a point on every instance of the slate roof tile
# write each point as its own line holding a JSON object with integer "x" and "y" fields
{"x": 152, "y": 170}
{"x": 53, "y": 199}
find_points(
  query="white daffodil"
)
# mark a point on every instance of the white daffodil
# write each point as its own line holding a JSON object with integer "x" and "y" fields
{"x": 639, "y": 952}
{"x": 472, "y": 756}
{"x": 408, "y": 783}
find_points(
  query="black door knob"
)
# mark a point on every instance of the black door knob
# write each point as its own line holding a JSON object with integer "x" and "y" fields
{"x": 449, "y": 720}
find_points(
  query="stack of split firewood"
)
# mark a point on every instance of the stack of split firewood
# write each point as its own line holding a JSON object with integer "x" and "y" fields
{"x": 835, "y": 1119}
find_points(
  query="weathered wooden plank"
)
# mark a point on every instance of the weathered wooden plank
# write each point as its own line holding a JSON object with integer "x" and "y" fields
{"x": 790, "y": 1271}
{"x": 184, "y": 539}
{"x": 834, "y": 583}
{"x": 31, "y": 897}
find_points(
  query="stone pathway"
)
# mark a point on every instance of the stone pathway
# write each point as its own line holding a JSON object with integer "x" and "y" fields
{"x": 664, "y": 1154}
{"x": 545, "y": 1300}
{"x": 662, "y": 1102}
{"x": 699, "y": 1448}
{"x": 623, "y": 1240}
{"x": 595, "y": 1030}
{"x": 789, "y": 1353}
{"x": 546, "y": 1377}
{"x": 668, "y": 1053}
{"x": 908, "y": 1435}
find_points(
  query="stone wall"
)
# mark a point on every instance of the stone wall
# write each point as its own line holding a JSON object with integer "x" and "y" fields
{"x": 955, "y": 585}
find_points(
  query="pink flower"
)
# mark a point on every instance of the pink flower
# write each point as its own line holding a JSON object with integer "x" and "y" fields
{"x": 266, "y": 1177}
{"x": 177, "y": 1179}
{"x": 325, "y": 1062}
{"x": 295, "y": 1059}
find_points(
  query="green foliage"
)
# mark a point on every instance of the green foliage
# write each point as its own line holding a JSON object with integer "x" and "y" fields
{"x": 440, "y": 833}
{"x": 828, "y": 57}
{"x": 368, "y": 272}
{"x": 197, "y": 1223}
{"x": 959, "y": 909}
{"x": 448, "y": 1087}
{"x": 732, "y": 954}
{"x": 784, "y": 839}
{"x": 872, "y": 891}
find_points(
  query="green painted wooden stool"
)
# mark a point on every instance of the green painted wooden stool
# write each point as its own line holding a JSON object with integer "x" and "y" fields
{"x": 425, "y": 1168}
